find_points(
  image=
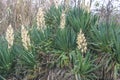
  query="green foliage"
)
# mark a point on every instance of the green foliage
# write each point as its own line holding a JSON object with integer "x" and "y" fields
{"x": 116, "y": 44}
{"x": 6, "y": 57}
{"x": 84, "y": 67}
{"x": 63, "y": 43}
{"x": 63, "y": 60}
{"x": 65, "y": 39}
{"x": 24, "y": 57}
{"x": 78, "y": 18}
{"x": 102, "y": 37}
{"x": 105, "y": 39}
{"x": 41, "y": 39}
{"x": 52, "y": 17}
{"x": 28, "y": 58}
{"x": 60, "y": 46}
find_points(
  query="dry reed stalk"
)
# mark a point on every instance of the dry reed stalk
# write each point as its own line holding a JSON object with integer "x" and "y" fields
{"x": 56, "y": 2}
{"x": 84, "y": 6}
{"x": 67, "y": 3}
{"x": 27, "y": 14}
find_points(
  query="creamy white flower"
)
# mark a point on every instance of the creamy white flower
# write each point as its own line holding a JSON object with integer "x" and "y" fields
{"x": 81, "y": 42}
{"x": 10, "y": 36}
{"x": 25, "y": 37}
{"x": 40, "y": 19}
{"x": 63, "y": 20}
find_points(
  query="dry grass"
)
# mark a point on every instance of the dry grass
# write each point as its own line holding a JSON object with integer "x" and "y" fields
{"x": 17, "y": 12}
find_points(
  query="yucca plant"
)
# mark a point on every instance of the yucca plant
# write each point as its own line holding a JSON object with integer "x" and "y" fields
{"x": 65, "y": 40}
{"x": 52, "y": 17}
{"x": 78, "y": 18}
{"x": 6, "y": 51}
{"x": 116, "y": 53}
{"x": 116, "y": 48}
{"x": 41, "y": 39}
{"x": 63, "y": 43}
{"x": 6, "y": 58}
{"x": 25, "y": 59}
{"x": 84, "y": 67}
{"x": 105, "y": 40}
{"x": 102, "y": 37}
{"x": 25, "y": 51}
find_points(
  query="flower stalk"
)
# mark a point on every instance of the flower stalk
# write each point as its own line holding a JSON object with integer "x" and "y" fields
{"x": 40, "y": 19}
{"x": 25, "y": 38}
{"x": 10, "y": 36}
{"x": 81, "y": 42}
{"x": 63, "y": 20}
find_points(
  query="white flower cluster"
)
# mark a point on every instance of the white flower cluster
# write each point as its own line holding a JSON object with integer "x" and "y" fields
{"x": 40, "y": 19}
{"x": 63, "y": 20}
{"x": 25, "y": 37}
{"x": 10, "y": 36}
{"x": 81, "y": 42}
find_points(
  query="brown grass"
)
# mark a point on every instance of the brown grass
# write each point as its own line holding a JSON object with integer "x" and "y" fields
{"x": 17, "y": 12}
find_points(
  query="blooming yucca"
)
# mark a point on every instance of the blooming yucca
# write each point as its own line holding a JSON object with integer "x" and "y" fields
{"x": 40, "y": 19}
{"x": 25, "y": 37}
{"x": 10, "y": 36}
{"x": 63, "y": 20}
{"x": 81, "y": 42}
